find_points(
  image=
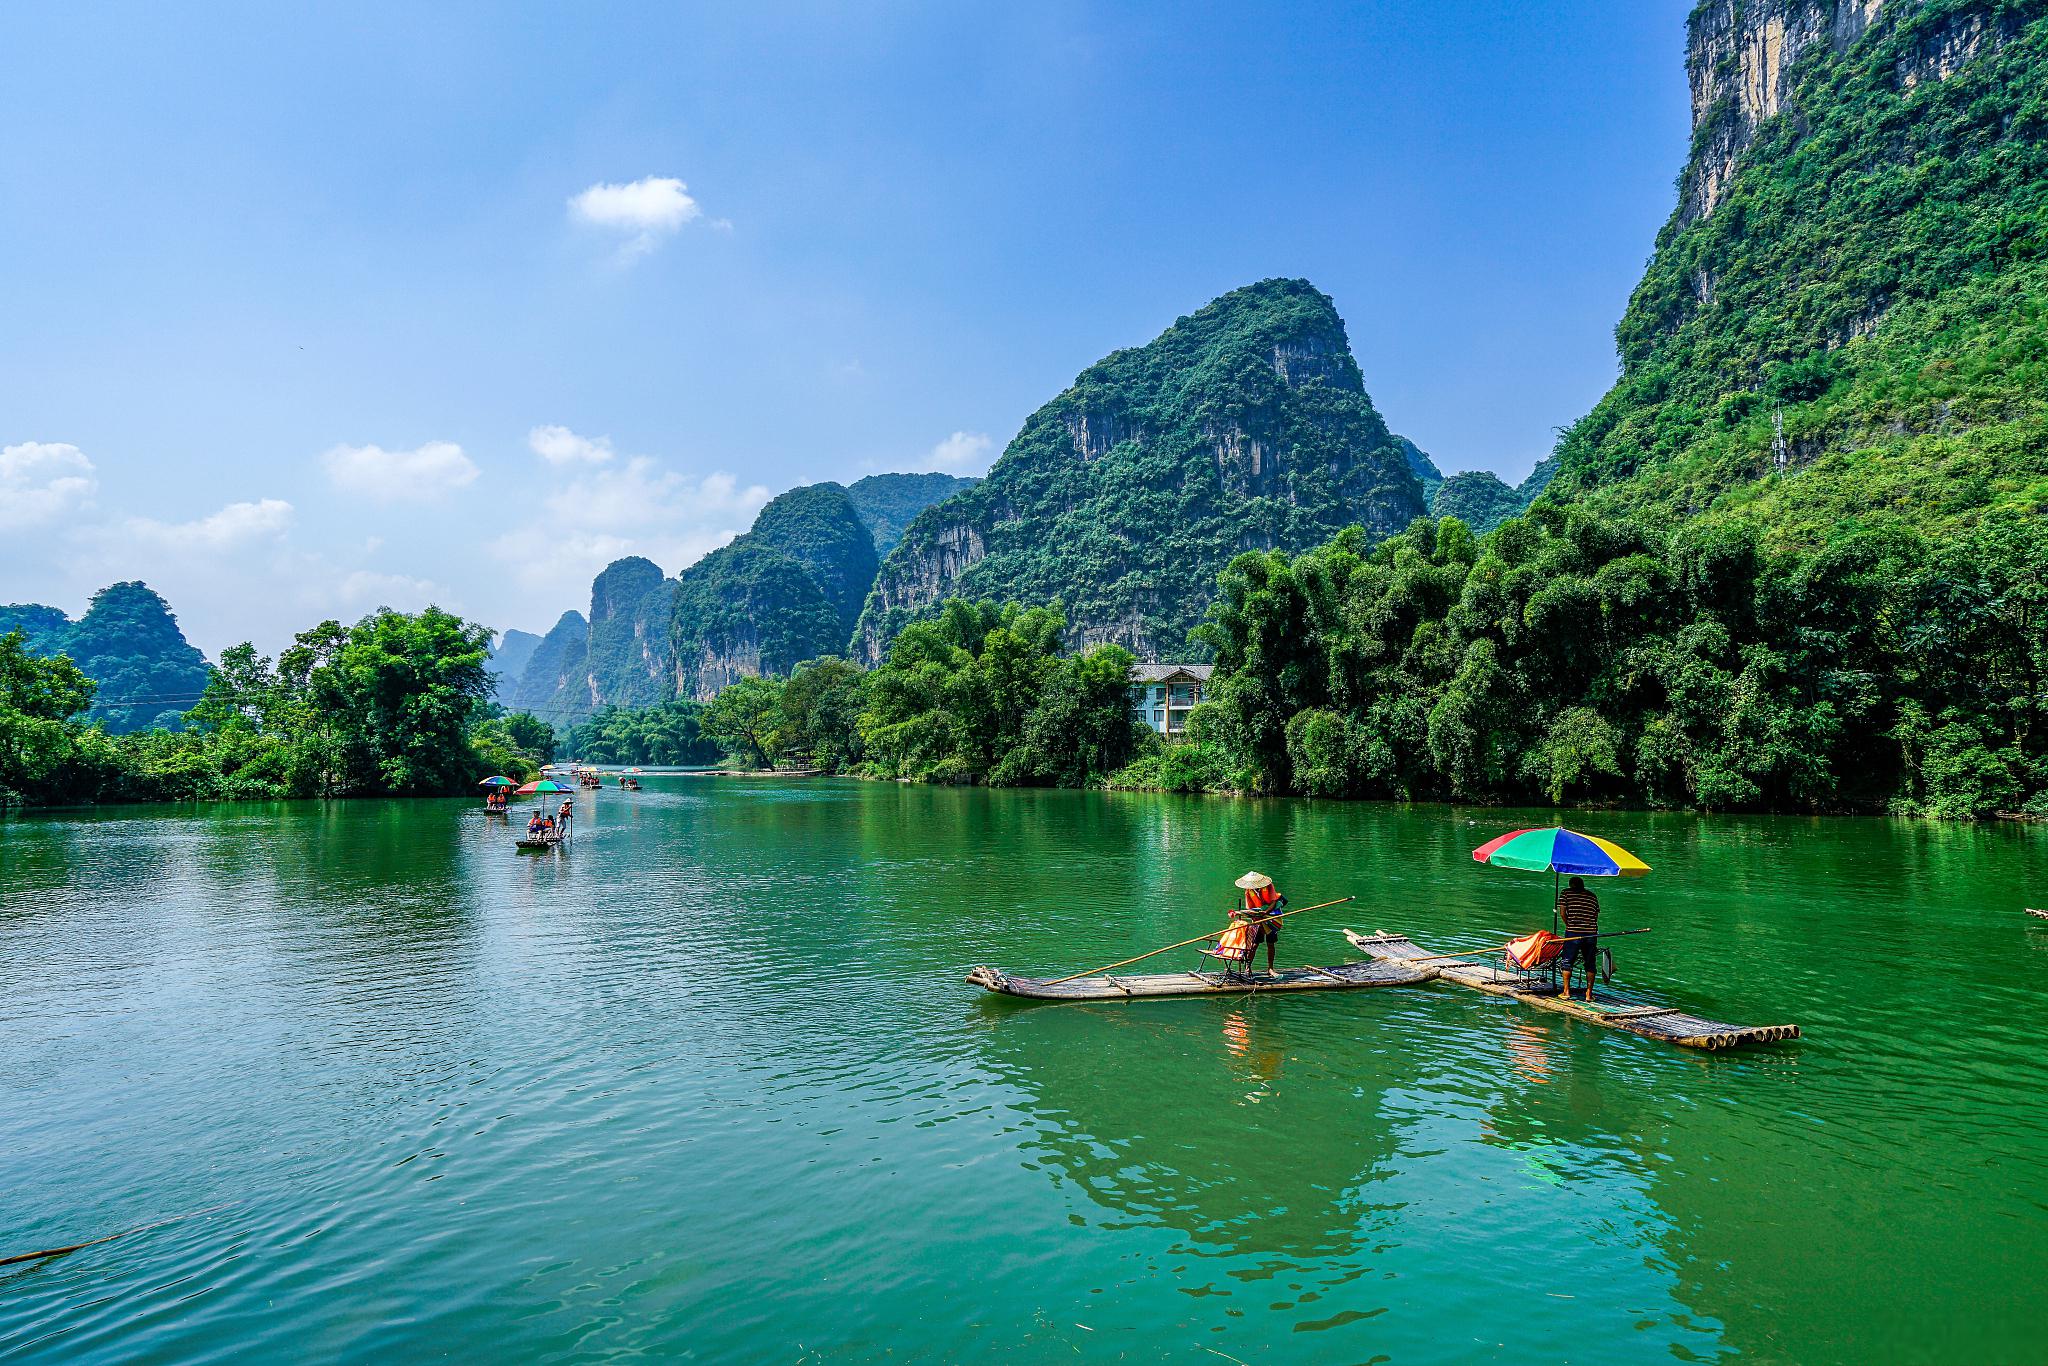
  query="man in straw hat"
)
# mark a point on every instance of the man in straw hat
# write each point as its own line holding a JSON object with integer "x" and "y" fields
{"x": 1259, "y": 913}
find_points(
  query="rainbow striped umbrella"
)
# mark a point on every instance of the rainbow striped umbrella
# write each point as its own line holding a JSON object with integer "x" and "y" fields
{"x": 1558, "y": 850}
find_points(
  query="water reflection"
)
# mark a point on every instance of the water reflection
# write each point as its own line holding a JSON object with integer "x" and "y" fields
{"x": 711, "y": 1083}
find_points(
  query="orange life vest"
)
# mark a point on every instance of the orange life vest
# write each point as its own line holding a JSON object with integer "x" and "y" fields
{"x": 1261, "y": 898}
{"x": 1237, "y": 940}
{"x": 1534, "y": 950}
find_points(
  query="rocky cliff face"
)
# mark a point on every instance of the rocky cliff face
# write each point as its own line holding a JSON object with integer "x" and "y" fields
{"x": 750, "y": 610}
{"x": 1741, "y": 56}
{"x": 888, "y": 503}
{"x": 1739, "y": 60}
{"x": 1244, "y": 426}
{"x": 630, "y": 660}
{"x": 544, "y": 686}
{"x": 1849, "y": 294}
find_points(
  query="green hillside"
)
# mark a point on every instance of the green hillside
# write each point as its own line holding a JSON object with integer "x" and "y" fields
{"x": 787, "y": 591}
{"x": 544, "y": 686}
{"x": 1244, "y": 425}
{"x": 820, "y": 527}
{"x": 42, "y": 627}
{"x": 128, "y": 643}
{"x": 889, "y": 503}
{"x": 1861, "y": 252}
{"x": 1850, "y": 617}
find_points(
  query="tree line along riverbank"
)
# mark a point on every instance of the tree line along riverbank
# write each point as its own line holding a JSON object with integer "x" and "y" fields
{"x": 1572, "y": 655}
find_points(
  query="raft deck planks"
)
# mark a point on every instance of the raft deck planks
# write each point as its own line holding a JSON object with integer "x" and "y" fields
{"x": 1111, "y": 987}
{"x": 1667, "y": 1024}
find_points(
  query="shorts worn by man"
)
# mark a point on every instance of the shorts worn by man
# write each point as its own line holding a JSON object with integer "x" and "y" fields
{"x": 1580, "y": 910}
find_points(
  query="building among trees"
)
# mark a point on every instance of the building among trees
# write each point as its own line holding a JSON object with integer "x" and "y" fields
{"x": 1162, "y": 695}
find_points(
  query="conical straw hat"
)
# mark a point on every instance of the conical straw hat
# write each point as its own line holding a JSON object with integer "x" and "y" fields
{"x": 1251, "y": 882}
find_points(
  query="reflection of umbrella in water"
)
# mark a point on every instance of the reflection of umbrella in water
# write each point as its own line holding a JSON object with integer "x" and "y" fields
{"x": 544, "y": 785}
{"x": 496, "y": 780}
{"x": 1559, "y": 851}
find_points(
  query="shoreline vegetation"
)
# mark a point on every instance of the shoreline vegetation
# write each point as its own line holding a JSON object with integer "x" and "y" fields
{"x": 1571, "y": 657}
{"x": 396, "y": 705}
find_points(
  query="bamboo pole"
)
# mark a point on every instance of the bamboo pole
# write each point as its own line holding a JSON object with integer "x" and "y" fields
{"x": 1496, "y": 948}
{"x": 95, "y": 1242}
{"x": 1111, "y": 967}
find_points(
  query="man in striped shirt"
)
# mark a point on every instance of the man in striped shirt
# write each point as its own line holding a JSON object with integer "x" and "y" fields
{"x": 1580, "y": 910}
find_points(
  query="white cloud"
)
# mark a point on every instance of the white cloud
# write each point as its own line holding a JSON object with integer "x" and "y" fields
{"x": 234, "y": 526}
{"x": 560, "y": 446}
{"x": 43, "y": 480}
{"x": 368, "y": 588}
{"x": 638, "y": 507}
{"x": 427, "y": 471}
{"x": 641, "y": 493}
{"x": 961, "y": 451}
{"x": 642, "y": 211}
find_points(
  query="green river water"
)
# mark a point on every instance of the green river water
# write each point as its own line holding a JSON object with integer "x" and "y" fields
{"x": 710, "y": 1087}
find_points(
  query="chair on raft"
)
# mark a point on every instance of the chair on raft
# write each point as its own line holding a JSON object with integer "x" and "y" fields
{"x": 1236, "y": 962}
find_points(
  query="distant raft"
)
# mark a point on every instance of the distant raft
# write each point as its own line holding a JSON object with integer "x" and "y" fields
{"x": 1667, "y": 1024}
{"x": 2042, "y": 914}
{"x": 1106, "y": 987}
{"x": 530, "y": 845}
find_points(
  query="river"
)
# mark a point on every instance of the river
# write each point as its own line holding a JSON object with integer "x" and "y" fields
{"x": 709, "y": 1086}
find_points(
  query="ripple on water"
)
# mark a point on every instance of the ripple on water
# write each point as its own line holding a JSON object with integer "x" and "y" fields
{"x": 711, "y": 1083}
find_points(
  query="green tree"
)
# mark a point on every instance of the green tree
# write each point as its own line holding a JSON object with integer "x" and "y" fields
{"x": 820, "y": 714}
{"x": 743, "y": 718}
{"x": 45, "y": 753}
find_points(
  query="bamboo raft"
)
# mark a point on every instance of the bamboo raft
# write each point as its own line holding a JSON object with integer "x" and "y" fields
{"x": 1343, "y": 977}
{"x": 534, "y": 846}
{"x": 1668, "y": 1024}
{"x": 2043, "y": 914}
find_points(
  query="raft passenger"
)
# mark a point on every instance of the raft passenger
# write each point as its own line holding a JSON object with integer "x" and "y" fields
{"x": 1580, "y": 911}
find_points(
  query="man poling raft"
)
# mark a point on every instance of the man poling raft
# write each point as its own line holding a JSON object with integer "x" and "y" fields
{"x": 1250, "y": 925}
{"x": 1255, "y": 922}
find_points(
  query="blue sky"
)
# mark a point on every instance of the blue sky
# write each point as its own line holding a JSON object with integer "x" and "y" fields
{"x": 308, "y": 312}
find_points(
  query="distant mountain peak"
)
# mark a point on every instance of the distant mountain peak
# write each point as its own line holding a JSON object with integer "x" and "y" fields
{"x": 1244, "y": 425}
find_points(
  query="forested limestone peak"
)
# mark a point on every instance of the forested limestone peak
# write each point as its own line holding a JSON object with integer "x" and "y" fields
{"x": 509, "y": 658}
{"x": 556, "y": 660}
{"x": 128, "y": 642}
{"x": 619, "y": 587}
{"x": 43, "y": 628}
{"x": 818, "y": 526}
{"x": 889, "y": 502}
{"x": 1243, "y": 426}
{"x": 787, "y": 591}
{"x": 1847, "y": 315}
